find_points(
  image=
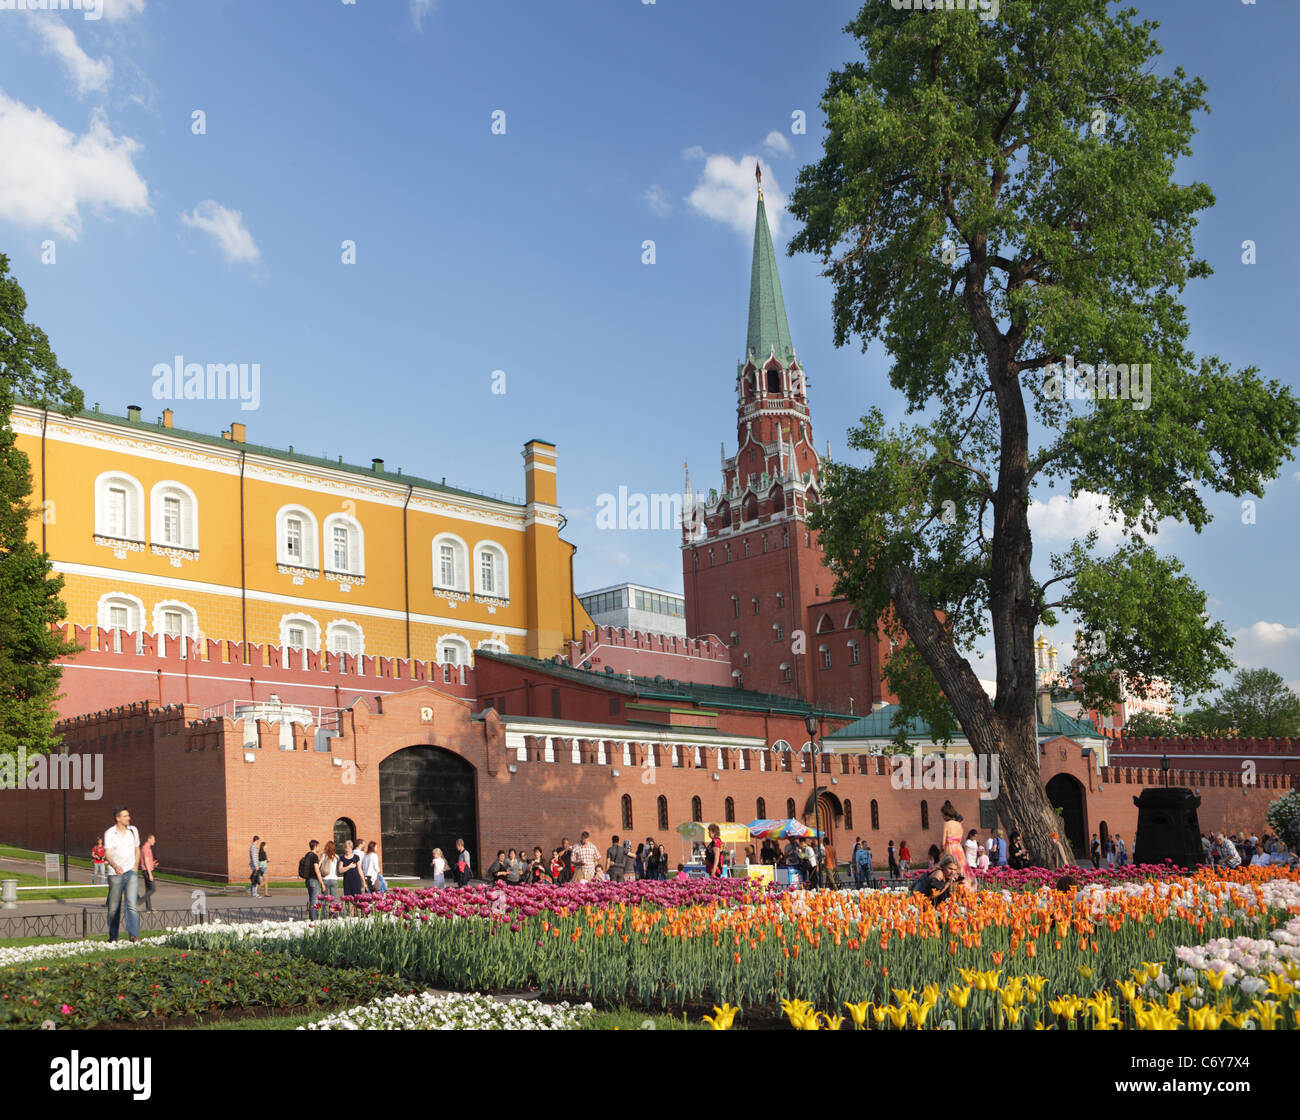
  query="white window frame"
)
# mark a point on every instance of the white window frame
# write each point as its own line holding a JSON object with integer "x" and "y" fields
{"x": 356, "y": 544}
{"x": 310, "y": 537}
{"x": 500, "y": 569}
{"x": 134, "y": 512}
{"x": 135, "y": 617}
{"x": 190, "y": 629}
{"x": 494, "y": 645}
{"x": 460, "y": 562}
{"x": 825, "y": 651}
{"x": 310, "y": 627}
{"x": 464, "y": 651}
{"x": 340, "y": 627}
{"x": 189, "y": 519}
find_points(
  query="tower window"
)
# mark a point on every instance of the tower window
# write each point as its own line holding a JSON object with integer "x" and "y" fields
{"x": 735, "y": 606}
{"x": 826, "y": 656}
{"x": 773, "y": 380}
{"x": 746, "y": 546}
{"x": 754, "y": 600}
{"x": 764, "y": 542}
{"x": 785, "y": 538}
{"x": 778, "y": 632}
{"x": 662, "y": 806}
{"x": 855, "y": 653}
{"x": 780, "y": 598}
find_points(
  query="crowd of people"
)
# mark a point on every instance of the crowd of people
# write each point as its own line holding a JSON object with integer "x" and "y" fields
{"x": 1240, "y": 850}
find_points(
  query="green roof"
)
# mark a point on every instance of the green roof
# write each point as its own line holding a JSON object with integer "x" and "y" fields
{"x": 768, "y": 328}
{"x": 659, "y": 688}
{"x": 153, "y": 427}
{"x": 877, "y": 726}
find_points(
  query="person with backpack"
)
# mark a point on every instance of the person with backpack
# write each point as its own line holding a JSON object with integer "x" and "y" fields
{"x": 464, "y": 868}
{"x": 309, "y": 872}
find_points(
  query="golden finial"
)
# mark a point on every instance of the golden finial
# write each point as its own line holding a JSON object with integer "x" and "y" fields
{"x": 758, "y": 174}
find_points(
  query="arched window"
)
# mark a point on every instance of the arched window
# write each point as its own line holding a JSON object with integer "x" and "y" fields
{"x": 760, "y": 807}
{"x": 848, "y": 813}
{"x": 774, "y": 381}
{"x": 786, "y": 672}
{"x": 175, "y": 620}
{"x": 735, "y": 606}
{"x": 453, "y": 650}
{"x": 754, "y": 602}
{"x": 780, "y": 598}
{"x": 749, "y": 512}
{"x": 925, "y": 814}
{"x": 727, "y": 549}
{"x": 729, "y": 810}
{"x": 697, "y": 810}
{"x": 174, "y": 516}
{"x": 299, "y": 631}
{"x": 735, "y": 638}
{"x": 342, "y": 636}
{"x": 789, "y": 807}
{"x": 121, "y": 613}
{"x": 662, "y": 806}
{"x": 491, "y": 570}
{"x": 627, "y": 812}
{"x": 296, "y": 537}
{"x": 875, "y": 815}
{"x": 345, "y": 545}
{"x": 825, "y": 625}
{"x": 119, "y": 507}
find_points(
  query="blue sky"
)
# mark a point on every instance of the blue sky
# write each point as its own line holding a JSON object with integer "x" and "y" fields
{"x": 522, "y": 250}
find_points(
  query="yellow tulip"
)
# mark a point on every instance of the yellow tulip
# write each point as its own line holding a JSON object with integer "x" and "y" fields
{"x": 1084, "y": 971}
{"x": 878, "y": 1014}
{"x": 858, "y": 1012}
{"x": 1279, "y": 987}
{"x": 1206, "y": 1019}
{"x": 960, "y": 996}
{"x": 1174, "y": 1001}
{"x": 1213, "y": 979}
{"x": 722, "y": 1018}
{"x": 930, "y": 993}
{"x": 897, "y": 1016}
{"x": 1039, "y": 1026}
{"x": 1036, "y": 983}
{"x": 1269, "y": 1014}
{"x": 1066, "y": 1005}
{"x": 1128, "y": 989}
{"x": 987, "y": 981}
{"x": 1012, "y": 1014}
{"x": 832, "y": 1024}
{"x": 902, "y": 995}
{"x": 967, "y": 975}
{"x": 919, "y": 1012}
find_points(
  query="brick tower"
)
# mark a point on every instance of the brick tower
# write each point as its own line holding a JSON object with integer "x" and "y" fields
{"x": 753, "y": 572}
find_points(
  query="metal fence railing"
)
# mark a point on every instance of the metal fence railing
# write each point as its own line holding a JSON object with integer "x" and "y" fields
{"x": 89, "y": 921}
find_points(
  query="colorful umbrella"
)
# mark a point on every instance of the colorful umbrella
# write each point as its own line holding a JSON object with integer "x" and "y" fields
{"x": 699, "y": 830}
{"x": 780, "y": 829}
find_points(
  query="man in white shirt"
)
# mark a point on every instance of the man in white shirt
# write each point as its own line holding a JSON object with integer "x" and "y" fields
{"x": 122, "y": 857}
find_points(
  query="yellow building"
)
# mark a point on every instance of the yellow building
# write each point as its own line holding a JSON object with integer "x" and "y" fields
{"x": 176, "y": 532}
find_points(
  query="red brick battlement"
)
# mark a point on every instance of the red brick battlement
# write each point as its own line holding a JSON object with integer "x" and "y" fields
{"x": 698, "y": 660}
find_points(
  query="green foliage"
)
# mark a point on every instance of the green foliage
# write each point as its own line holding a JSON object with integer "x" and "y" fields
{"x": 1261, "y": 705}
{"x": 1283, "y": 817}
{"x": 29, "y": 593}
{"x": 1150, "y": 725}
{"x": 997, "y": 196}
{"x": 147, "y": 987}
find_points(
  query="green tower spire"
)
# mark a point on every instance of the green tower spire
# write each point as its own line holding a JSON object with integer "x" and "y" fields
{"x": 767, "y": 323}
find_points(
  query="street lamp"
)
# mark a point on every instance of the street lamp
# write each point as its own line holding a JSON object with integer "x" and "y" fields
{"x": 810, "y": 722}
{"x": 1164, "y": 768}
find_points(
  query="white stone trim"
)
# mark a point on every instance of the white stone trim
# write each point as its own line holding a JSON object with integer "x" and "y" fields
{"x": 494, "y": 645}
{"x": 191, "y": 628}
{"x": 460, "y": 562}
{"x": 338, "y": 624}
{"x": 308, "y": 623}
{"x": 310, "y": 536}
{"x": 101, "y": 612}
{"x": 456, "y": 640}
{"x": 501, "y": 570}
{"x": 356, "y": 544}
{"x": 189, "y": 515}
{"x": 135, "y": 522}
{"x": 94, "y": 571}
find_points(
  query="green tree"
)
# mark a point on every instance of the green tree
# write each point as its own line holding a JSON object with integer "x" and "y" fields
{"x": 29, "y": 592}
{"x": 997, "y": 196}
{"x": 1151, "y": 725}
{"x": 1283, "y": 817}
{"x": 1260, "y": 705}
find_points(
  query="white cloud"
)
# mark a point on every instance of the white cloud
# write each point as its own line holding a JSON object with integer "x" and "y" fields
{"x": 658, "y": 199}
{"x": 1269, "y": 645}
{"x": 420, "y": 9}
{"x": 693, "y": 152}
{"x": 1296, "y": 476}
{"x": 777, "y": 144}
{"x": 48, "y": 173}
{"x": 227, "y": 229}
{"x": 122, "y": 9}
{"x": 61, "y": 41}
{"x": 727, "y": 192}
{"x": 1065, "y": 519}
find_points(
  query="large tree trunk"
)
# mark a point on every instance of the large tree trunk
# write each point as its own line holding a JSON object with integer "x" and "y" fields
{"x": 1022, "y": 801}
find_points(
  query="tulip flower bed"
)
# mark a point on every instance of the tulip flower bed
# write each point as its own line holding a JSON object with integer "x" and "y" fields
{"x": 144, "y": 990}
{"x": 1035, "y": 878}
{"x": 427, "y": 1011}
{"x": 689, "y": 945}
